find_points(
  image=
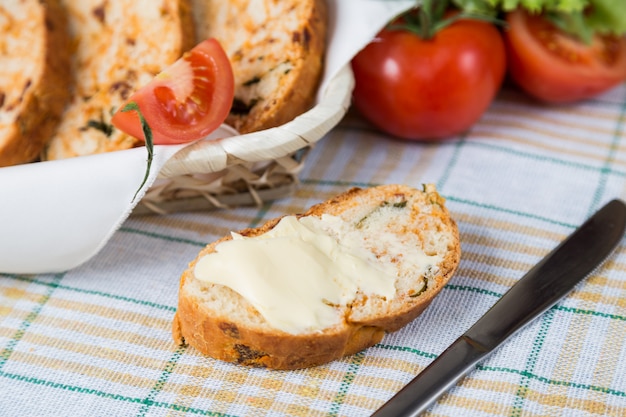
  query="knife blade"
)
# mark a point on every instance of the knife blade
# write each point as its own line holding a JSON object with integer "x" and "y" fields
{"x": 537, "y": 291}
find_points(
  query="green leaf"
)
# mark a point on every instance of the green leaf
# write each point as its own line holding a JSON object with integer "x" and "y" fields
{"x": 608, "y": 17}
{"x": 573, "y": 23}
{"x": 147, "y": 134}
{"x": 581, "y": 18}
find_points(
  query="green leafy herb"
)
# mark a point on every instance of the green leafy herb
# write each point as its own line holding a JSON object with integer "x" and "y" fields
{"x": 147, "y": 134}
{"x": 254, "y": 80}
{"x": 578, "y": 18}
{"x": 100, "y": 125}
{"x": 398, "y": 204}
{"x": 239, "y": 107}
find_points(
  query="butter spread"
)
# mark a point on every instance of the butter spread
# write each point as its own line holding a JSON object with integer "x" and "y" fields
{"x": 298, "y": 272}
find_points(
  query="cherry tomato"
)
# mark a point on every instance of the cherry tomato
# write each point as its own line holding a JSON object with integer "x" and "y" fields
{"x": 556, "y": 68}
{"x": 429, "y": 89}
{"x": 186, "y": 101}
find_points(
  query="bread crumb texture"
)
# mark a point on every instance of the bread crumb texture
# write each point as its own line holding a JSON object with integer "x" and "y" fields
{"x": 397, "y": 224}
{"x": 277, "y": 50}
{"x": 117, "y": 47}
{"x": 34, "y": 75}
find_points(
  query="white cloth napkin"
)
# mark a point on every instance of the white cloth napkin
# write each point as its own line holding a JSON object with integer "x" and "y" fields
{"x": 56, "y": 215}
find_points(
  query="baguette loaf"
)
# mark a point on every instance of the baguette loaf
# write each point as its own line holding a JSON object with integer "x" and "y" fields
{"x": 276, "y": 49}
{"x": 400, "y": 243}
{"x": 119, "y": 46}
{"x": 34, "y": 75}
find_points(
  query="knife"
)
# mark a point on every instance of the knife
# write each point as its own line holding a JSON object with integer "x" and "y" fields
{"x": 536, "y": 292}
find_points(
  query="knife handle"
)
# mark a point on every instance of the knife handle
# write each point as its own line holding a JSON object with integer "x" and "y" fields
{"x": 443, "y": 373}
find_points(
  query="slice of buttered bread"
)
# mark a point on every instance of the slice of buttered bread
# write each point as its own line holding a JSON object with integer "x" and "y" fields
{"x": 118, "y": 47}
{"x": 303, "y": 290}
{"x": 34, "y": 74}
{"x": 277, "y": 51}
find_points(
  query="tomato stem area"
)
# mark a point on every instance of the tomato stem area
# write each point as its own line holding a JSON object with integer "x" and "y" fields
{"x": 433, "y": 16}
{"x": 147, "y": 133}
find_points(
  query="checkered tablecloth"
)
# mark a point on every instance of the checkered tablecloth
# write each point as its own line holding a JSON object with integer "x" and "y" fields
{"x": 96, "y": 341}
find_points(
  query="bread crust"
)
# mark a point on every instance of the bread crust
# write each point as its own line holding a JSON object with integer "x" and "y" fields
{"x": 217, "y": 335}
{"x": 45, "y": 95}
{"x": 266, "y": 48}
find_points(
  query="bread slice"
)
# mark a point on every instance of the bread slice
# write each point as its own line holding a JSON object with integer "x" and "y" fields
{"x": 118, "y": 47}
{"x": 34, "y": 74}
{"x": 277, "y": 51}
{"x": 406, "y": 238}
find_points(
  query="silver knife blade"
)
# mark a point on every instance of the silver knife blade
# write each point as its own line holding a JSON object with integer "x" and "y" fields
{"x": 536, "y": 292}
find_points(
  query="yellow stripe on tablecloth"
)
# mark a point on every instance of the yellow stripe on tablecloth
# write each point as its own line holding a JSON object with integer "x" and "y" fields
{"x": 586, "y": 293}
{"x": 271, "y": 383}
{"x": 521, "y": 117}
{"x": 491, "y": 242}
{"x": 118, "y": 314}
{"x": 529, "y": 141}
{"x": 83, "y": 369}
{"x": 611, "y": 349}
{"x": 529, "y": 109}
{"x": 483, "y": 276}
{"x": 489, "y": 223}
{"x": 123, "y": 357}
{"x": 87, "y": 329}
{"x": 200, "y": 228}
{"x": 556, "y": 398}
{"x": 561, "y": 402}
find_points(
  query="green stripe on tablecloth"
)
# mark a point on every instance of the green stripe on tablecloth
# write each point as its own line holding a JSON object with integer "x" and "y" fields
{"x": 606, "y": 169}
{"x": 10, "y": 347}
{"x": 452, "y": 163}
{"x": 454, "y": 199}
{"x": 173, "y": 361}
{"x": 495, "y": 147}
{"x": 509, "y": 211}
{"x": 158, "y": 387}
{"x": 547, "y": 381}
{"x": 108, "y": 395}
{"x": 518, "y": 403}
{"x": 162, "y": 236}
{"x": 355, "y": 362}
{"x": 347, "y": 381}
{"x": 547, "y": 318}
{"x": 91, "y": 292}
{"x": 397, "y": 348}
{"x": 453, "y": 287}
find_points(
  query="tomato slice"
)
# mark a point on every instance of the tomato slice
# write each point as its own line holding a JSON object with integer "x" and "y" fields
{"x": 186, "y": 101}
{"x": 554, "y": 67}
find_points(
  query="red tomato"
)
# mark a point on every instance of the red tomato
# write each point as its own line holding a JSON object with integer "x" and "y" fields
{"x": 429, "y": 89}
{"x": 186, "y": 101}
{"x": 554, "y": 67}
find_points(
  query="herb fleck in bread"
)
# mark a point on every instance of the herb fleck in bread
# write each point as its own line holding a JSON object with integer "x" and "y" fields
{"x": 396, "y": 224}
{"x": 34, "y": 75}
{"x": 118, "y": 47}
{"x": 276, "y": 49}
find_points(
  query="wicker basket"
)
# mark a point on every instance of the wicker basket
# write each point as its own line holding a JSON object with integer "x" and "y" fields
{"x": 246, "y": 169}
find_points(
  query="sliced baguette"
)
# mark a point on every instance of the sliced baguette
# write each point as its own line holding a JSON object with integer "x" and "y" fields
{"x": 34, "y": 75}
{"x": 221, "y": 323}
{"x": 119, "y": 46}
{"x": 276, "y": 49}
